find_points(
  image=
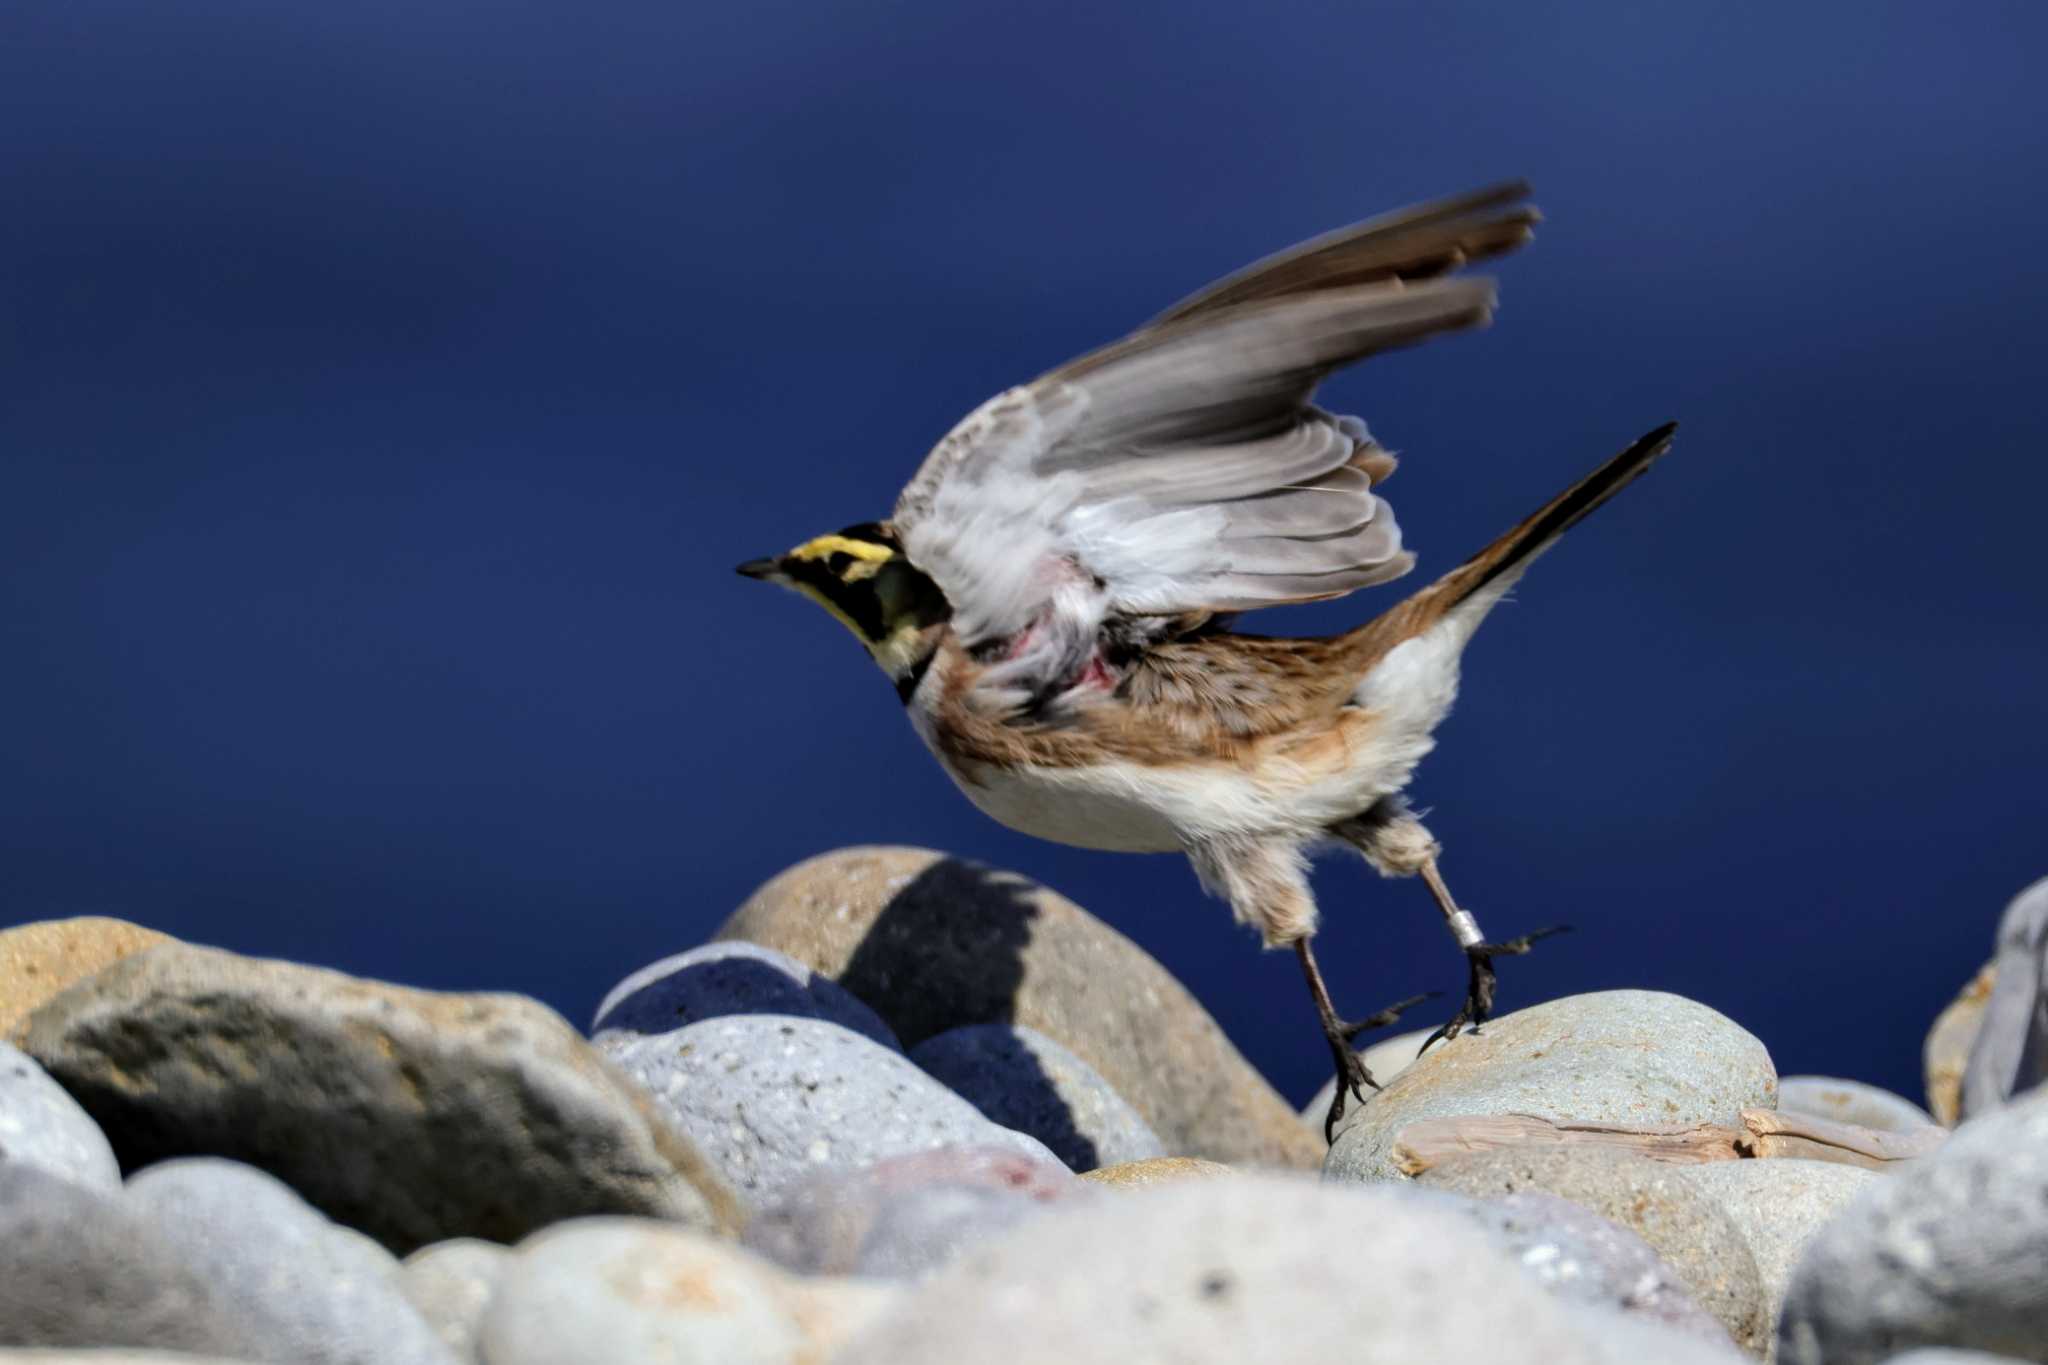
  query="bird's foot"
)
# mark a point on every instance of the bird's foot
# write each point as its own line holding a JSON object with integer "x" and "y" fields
{"x": 1479, "y": 991}
{"x": 1353, "y": 1078}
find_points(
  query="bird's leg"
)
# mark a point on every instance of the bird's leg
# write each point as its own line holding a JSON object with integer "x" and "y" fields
{"x": 1352, "y": 1075}
{"x": 1479, "y": 956}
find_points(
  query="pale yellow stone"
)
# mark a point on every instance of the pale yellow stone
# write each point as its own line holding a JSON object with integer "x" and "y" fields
{"x": 1158, "y": 1170}
{"x": 1947, "y": 1051}
{"x": 43, "y": 959}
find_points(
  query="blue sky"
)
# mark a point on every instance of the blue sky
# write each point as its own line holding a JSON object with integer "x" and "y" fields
{"x": 385, "y": 396}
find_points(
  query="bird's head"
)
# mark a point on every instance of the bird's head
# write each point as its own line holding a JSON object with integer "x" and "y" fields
{"x": 861, "y": 577}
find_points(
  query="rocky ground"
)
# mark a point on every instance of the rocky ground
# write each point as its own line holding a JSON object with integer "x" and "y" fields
{"x": 907, "y": 1110}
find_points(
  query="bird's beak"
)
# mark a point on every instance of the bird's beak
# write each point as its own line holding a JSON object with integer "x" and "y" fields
{"x": 761, "y": 568}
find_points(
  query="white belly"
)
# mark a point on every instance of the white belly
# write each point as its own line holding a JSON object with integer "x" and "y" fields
{"x": 1085, "y": 807}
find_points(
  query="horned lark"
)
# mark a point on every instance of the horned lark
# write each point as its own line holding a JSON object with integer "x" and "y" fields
{"x": 1053, "y": 592}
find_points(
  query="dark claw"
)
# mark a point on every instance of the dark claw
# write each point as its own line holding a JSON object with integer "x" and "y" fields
{"x": 1352, "y": 1075}
{"x": 1479, "y": 991}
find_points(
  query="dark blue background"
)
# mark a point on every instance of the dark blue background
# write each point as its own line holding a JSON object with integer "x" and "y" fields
{"x": 388, "y": 390}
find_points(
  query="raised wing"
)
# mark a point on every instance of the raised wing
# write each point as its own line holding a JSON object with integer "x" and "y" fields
{"x": 1183, "y": 469}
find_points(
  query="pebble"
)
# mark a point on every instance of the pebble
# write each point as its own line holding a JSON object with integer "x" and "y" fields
{"x": 1581, "y": 1257}
{"x": 934, "y": 943}
{"x": 1165, "y": 1170}
{"x": 8, "y": 1357}
{"x": 304, "y": 1293}
{"x": 2010, "y": 1053}
{"x": 1259, "y": 1268}
{"x": 1020, "y": 1078}
{"x": 449, "y": 1284}
{"x": 906, "y": 1215}
{"x": 42, "y": 960}
{"x": 770, "y": 1098}
{"x": 1779, "y": 1206}
{"x": 731, "y": 978}
{"x": 607, "y": 1291}
{"x": 1613, "y": 1056}
{"x": 1830, "y": 1097}
{"x": 1946, "y": 1252}
{"x": 412, "y": 1115}
{"x": 80, "y": 1269}
{"x": 1386, "y": 1059}
{"x": 41, "y": 1124}
{"x": 1946, "y": 1053}
{"x": 1689, "y": 1231}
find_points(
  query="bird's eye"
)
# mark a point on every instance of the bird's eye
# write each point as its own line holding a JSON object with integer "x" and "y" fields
{"x": 838, "y": 562}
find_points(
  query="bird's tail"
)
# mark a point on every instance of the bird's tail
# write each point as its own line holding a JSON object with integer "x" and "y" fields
{"x": 1480, "y": 580}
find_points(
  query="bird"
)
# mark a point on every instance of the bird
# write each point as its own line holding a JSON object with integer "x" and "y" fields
{"x": 1055, "y": 593}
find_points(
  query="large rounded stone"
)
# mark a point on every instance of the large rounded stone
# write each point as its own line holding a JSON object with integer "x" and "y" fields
{"x": 906, "y": 1215}
{"x": 1946, "y": 1053}
{"x": 1385, "y": 1059}
{"x": 1842, "y": 1101}
{"x": 606, "y": 1291}
{"x": 41, "y": 960}
{"x": 42, "y": 1125}
{"x": 304, "y": 1293}
{"x": 1649, "y": 1198}
{"x": 1779, "y": 1206}
{"x": 935, "y": 943}
{"x": 1946, "y": 1252}
{"x": 413, "y": 1115}
{"x": 1611, "y": 1057}
{"x": 731, "y": 978}
{"x": 1259, "y": 1268}
{"x": 771, "y": 1098}
{"x": 1024, "y": 1080}
{"x": 2010, "y": 1054}
{"x": 449, "y": 1284}
{"x": 79, "y": 1269}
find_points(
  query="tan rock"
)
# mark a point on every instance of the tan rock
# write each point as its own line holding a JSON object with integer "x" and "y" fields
{"x": 933, "y": 943}
{"x": 413, "y": 1115}
{"x": 40, "y": 960}
{"x": 1163, "y": 1170}
{"x": 1947, "y": 1051}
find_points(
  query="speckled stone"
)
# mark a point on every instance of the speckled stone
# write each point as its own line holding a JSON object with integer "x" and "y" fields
{"x": 1385, "y": 1059}
{"x": 1946, "y": 1053}
{"x": 1583, "y": 1258}
{"x": 413, "y": 1115}
{"x": 1946, "y": 1252}
{"x": 1842, "y": 1101}
{"x": 1689, "y": 1231}
{"x": 719, "y": 979}
{"x": 303, "y": 1293}
{"x": 449, "y": 1284}
{"x": 42, "y": 1125}
{"x": 79, "y": 1269}
{"x": 1613, "y": 1057}
{"x": 1779, "y": 1205}
{"x": 1165, "y": 1170}
{"x": 934, "y": 943}
{"x": 904, "y": 1216}
{"x": 606, "y": 1291}
{"x": 1024, "y": 1080}
{"x": 771, "y": 1098}
{"x": 41, "y": 960}
{"x": 1258, "y": 1268}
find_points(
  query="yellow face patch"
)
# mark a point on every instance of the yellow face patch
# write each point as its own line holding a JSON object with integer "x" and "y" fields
{"x": 868, "y": 557}
{"x": 826, "y": 546}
